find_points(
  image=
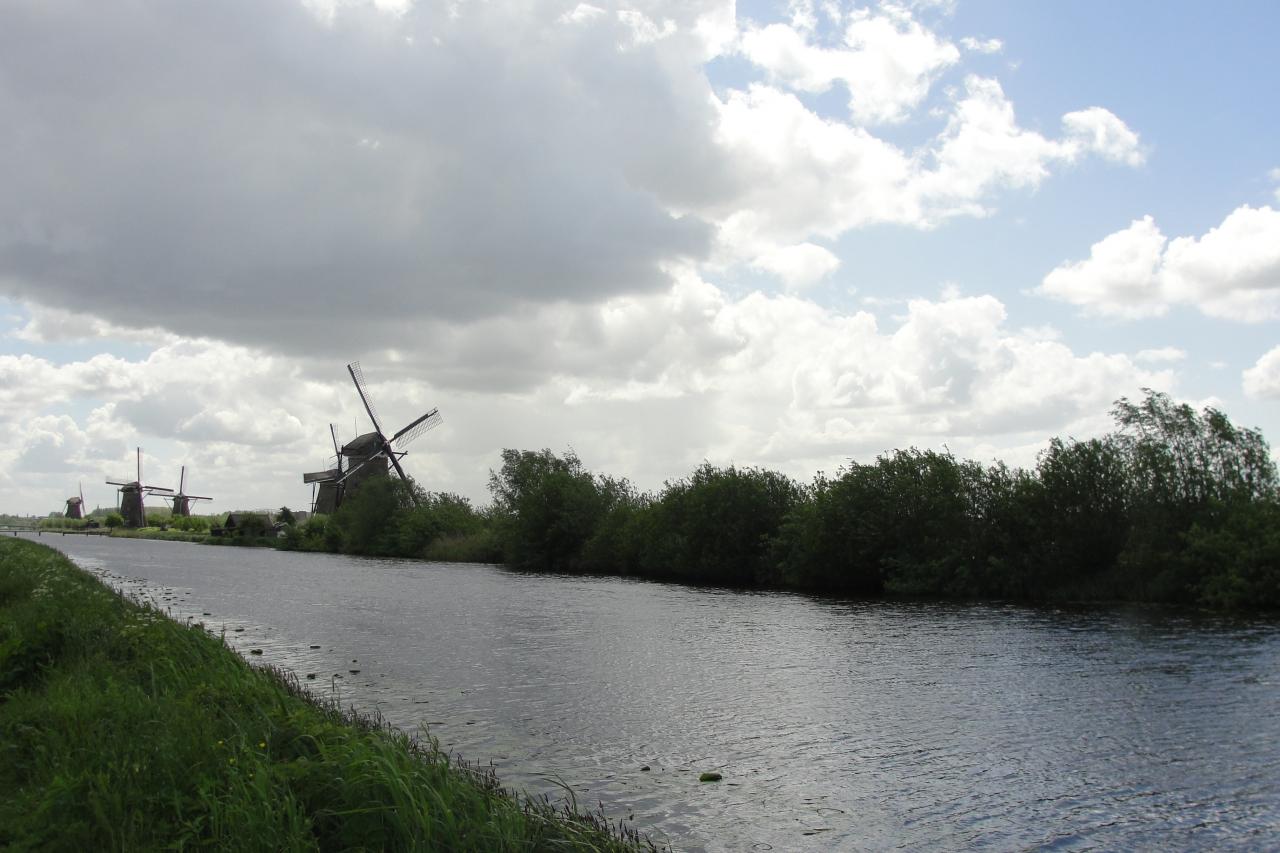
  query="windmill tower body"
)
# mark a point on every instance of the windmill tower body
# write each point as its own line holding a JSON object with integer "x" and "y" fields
{"x": 131, "y": 505}
{"x": 328, "y": 498}
{"x": 364, "y": 459}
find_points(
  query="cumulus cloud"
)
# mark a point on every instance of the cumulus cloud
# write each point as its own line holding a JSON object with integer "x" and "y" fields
{"x": 798, "y": 266}
{"x": 248, "y": 171}
{"x": 983, "y": 148}
{"x": 267, "y": 172}
{"x": 806, "y": 175}
{"x": 1232, "y": 271}
{"x": 642, "y": 386}
{"x": 1121, "y": 276}
{"x": 1262, "y": 381}
{"x": 886, "y": 59}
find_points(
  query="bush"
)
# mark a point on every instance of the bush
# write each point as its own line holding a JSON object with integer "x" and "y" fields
{"x": 546, "y": 507}
{"x": 716, "y": 526}
{"x": 437, "y": 516}
{"x": 190, "y": 523}
{"x": 368, "y": 521}
{"x": 1237, "y": 563}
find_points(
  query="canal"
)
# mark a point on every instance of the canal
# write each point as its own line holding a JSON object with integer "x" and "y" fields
{"x": 836, "y": 724}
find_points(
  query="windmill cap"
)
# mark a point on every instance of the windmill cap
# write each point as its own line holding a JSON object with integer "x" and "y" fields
{"x": 367, "y": 443}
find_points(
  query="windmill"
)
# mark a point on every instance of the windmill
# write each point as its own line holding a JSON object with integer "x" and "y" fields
{"x": 131, "y": 495}
{"x": 75, "y": 505}
{"x": 367, "y": 455}
{"x": 182, "y": 501}
{"x": 326, "y": 486}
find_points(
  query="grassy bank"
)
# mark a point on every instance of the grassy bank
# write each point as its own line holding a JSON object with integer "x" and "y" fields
{"x": 120, "y": 729}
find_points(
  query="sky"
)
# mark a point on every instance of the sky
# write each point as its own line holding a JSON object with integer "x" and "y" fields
{"x": 655, "y": 233}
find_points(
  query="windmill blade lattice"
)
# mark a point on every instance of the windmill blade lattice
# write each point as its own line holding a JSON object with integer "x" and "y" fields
{"x": 426, "y": 423}
{"x": 357, "y": 376}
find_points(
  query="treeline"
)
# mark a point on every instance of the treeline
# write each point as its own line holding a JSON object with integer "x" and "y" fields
{"x": 1174, "y": 505}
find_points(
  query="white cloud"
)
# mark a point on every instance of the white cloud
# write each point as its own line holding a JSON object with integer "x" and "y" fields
{"x": 984, "y": 148}
{"x": 801, "y": 175}
{"x": 1232, "y": 271}
{"x": 1121, "y": 276}
{"x": 798, "y": 266}
{"x": 887, "y": 60}
{"x": 976, "y": 45}
{"x": 456, "y": 161}
{"x": 1162, "y": 355}
{"x": 1099, "y": 131}
{"x": 1262, "y": 381}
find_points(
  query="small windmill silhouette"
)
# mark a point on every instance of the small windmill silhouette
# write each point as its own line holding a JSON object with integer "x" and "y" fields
{"x": 182, "y": 501}
{"x": 131, "y": 495}
{"x": 75, "y": 505}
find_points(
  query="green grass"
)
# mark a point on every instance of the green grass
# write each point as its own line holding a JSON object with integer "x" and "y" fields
{"x": 123, "y": 730}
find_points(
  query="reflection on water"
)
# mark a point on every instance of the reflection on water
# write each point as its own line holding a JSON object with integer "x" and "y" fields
{"x": 836, "y": 724}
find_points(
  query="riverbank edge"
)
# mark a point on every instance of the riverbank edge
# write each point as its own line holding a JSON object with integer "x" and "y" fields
{"x": 123, "y": 729}
{"x": 1078, "y": 600}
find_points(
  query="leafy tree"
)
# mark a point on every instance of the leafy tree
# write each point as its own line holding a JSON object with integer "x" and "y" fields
{"x": 1187, "y": 470}
{"x": 286, "y": 516}
{"x": 438, "y": 514}
{"x": 718, "y": 525}
{"x": 1081, "y": 512}
{"x": 1237, "y": 563}
{"x": 113, "y": 520}
{"x": 368, "y": 521}
{"x": 546, "y": 507}
{"x": 904, "y": 524}
{"x": 1182, "y": 460}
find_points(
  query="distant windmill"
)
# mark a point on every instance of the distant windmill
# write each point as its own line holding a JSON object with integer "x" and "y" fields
{"x": 367, "y": 455}
{"x": 131, "y": 496}
{"x": 75, "y": 505}
{"x": 182, "y": 501}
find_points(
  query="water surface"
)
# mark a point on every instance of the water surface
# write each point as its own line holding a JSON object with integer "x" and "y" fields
{"x": 836, "y": 724}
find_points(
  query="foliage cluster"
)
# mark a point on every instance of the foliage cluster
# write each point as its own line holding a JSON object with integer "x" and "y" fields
{"x": 58, "y": 522}
{"x": 1174, "y": 505}
{"x": 382, "y": 520}
{"x": 123, "y": 730}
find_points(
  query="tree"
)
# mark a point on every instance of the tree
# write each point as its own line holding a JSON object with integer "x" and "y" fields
{"x": 437, "y": 515}
{"x": 546, "y": 508}
{"x": 113, "y": 520}
{"x": 718, "y": 525}
{"x": 368, "y": 521}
